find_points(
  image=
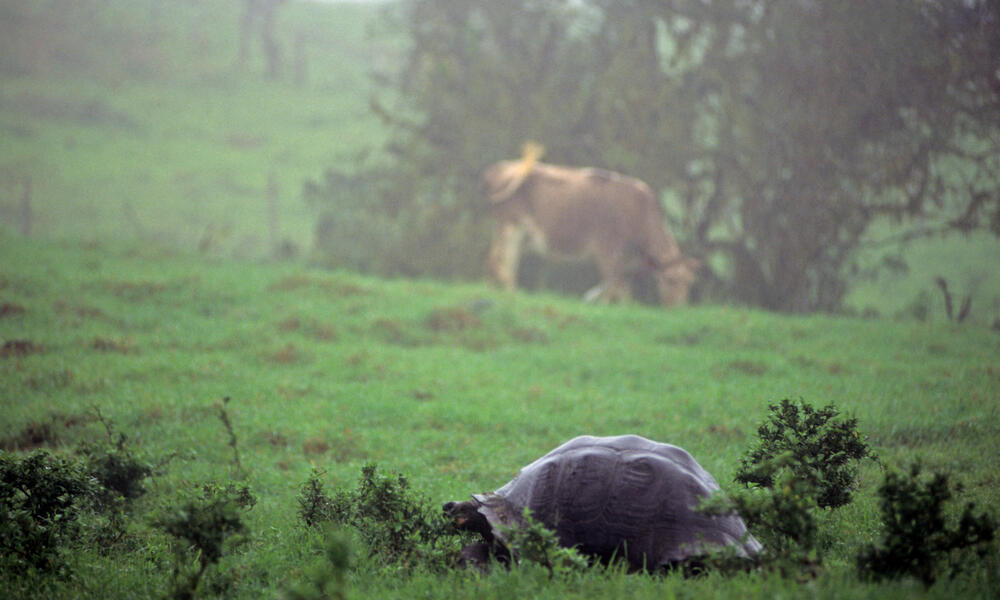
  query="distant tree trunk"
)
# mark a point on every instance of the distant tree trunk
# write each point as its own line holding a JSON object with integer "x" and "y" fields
{"x": 272, "y": 52}
{"x": 264, "y": 12}
{"x": 299, "y": 53}
{"x": 246, "y": 26}
{"x": 272, "y": 212}
{"x": 26, "y": 212}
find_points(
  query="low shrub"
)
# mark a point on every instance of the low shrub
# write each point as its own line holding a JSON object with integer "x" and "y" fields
{"x": 803, "y": 459}
{"x": 316, "y": 507}
{"x": 533, "y": 541}
{"x": 202, "y": 527}
{"x": 325, "y": 579}
{"x": 371, "y": 221}
{"x": 782, "y": 517}
{"x": 41, "y": 496}
{"x": 397, "y": 524}
{"x": 917, "y": 540}
{"x": 824, "y": 451}
{"x": 115, "y": 466}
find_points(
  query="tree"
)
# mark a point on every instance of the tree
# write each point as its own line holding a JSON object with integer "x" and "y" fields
{"x": 777, "y": 131}
{"x": 821, "y": 118}
{"x": 264, "y": 12}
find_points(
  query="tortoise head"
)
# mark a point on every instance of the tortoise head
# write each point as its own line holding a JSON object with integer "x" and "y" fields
{"x": 467, "y": 517}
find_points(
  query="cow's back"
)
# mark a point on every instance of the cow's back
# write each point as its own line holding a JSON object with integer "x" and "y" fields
{"x": 578, "y": 208}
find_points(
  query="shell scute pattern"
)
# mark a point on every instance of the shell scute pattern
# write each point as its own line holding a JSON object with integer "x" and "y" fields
{"x": 619, "y": 495}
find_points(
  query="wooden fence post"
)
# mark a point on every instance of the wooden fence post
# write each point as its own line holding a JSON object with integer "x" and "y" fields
{"x": 26, "y": 214}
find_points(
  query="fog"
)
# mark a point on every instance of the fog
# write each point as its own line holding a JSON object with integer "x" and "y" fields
{"x": 810, "y": 157}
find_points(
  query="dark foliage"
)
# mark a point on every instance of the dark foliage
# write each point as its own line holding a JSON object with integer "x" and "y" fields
{"x": 531, "y": 540}
{"x": 40, "y": 500}
{"x": 372, "y": 221}
{"x": 233, "y": 442}
{"x": 325, "y": 579}
{"x": 804, "y": 459}
{"x": 824, "y": 452}
{"x": 782, "y": 516}
{"x": 203, "y": 526}
{"x": 917, "y": 540}
{"x": 316, "y": 507}
{"x": 397, "y": 524}
{"x": 115, "y": 466}
{"x": 778, "y": 132}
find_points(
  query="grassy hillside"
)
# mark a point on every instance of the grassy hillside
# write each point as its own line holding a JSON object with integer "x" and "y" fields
{"x": 133, "y": 121}
{"x": 457, "y": 387}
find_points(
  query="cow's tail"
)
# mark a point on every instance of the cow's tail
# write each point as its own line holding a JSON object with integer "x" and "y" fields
{"x": 519, "y": 171}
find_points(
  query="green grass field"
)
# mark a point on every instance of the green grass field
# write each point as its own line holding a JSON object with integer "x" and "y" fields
{"x": 157, "y": 135}
{"x": 182, "y": 152}
{"x": 143, "y": 291}
{"x": 456, "y": 386}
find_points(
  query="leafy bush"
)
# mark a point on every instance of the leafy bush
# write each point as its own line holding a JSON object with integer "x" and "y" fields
{"x": 803, "y": 459}
{"x": 117, "y": 470}
{"x": 917, "y": 540}
{"x": 325, "y": 579}
{"x": 316, "y": 507}
{"x": 40, "y": 500}
{"x": 533, "y": 541}
{"x": 203, "y": 526}
{"x": 824, "y": 451}
{"x": 120, "y": 473}
{"x": 781, "y": 516}
{"x": 397, "y": 524}
{"x": 372, "y": 221}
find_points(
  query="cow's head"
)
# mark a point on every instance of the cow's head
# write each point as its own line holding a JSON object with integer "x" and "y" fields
{"x": 503, "y": 179}
{"x": 675, "y": 279}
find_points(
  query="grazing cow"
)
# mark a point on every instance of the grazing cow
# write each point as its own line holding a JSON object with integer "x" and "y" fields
{"x": 564, "y": 212}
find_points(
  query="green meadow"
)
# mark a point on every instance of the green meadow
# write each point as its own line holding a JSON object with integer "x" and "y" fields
{"x": 455, "y": 386}
{"x": 140, "y": 291}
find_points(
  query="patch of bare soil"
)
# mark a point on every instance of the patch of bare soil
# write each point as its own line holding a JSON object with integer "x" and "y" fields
{"x": 331, "y": 286}
{"x": 452, "y": 318}
{"x": 45, "y": 433}
{"x": 10, "y": 309}
{"x": 284, "y": 356}
{"x": 79, "y": 310}
{"x": 745, "y": 367}
{"x": 105, "y": 344}
{"x": 18, "y": 348}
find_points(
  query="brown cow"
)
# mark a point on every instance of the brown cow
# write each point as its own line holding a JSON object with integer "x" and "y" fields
{"x": 583, "y": 213}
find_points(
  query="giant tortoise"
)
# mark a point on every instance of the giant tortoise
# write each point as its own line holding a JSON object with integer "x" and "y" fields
{"x": 623, "y": 496}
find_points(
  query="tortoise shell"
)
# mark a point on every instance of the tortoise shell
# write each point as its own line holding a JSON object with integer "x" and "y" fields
{"x": 623, "y": 496}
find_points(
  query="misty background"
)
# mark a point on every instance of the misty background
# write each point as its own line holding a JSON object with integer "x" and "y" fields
{"x": 815, "y": 155}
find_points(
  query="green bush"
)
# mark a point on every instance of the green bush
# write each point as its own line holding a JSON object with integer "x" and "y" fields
{"x": 117, "y": 470}
{"x": 782, "y": 517}
{"x": 203, "y": 526}
{"x": 533, "y": 541}
{"x": 802, "y": 460}
{"x": 397, "y": 524}
{"x": 325, "y": 579}
{"x": 372, "y": 221}
{"x": 917, "y": 540}
{"x": 40, "y": 500}
{"x": 316, "y": 507}
{"x": 824, "y": 451}
{"x": 120, "y": 473}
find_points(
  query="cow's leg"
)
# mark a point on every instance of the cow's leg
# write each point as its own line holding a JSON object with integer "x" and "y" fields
{"x": 666, "y": 288}
{"x": 505, "y": 254}
{"x": 614, "y": 286}
{"x": 595, "y": 293}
